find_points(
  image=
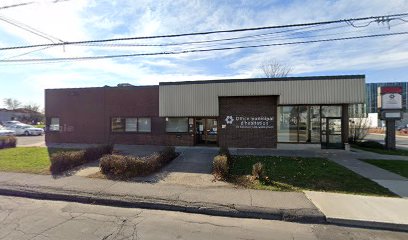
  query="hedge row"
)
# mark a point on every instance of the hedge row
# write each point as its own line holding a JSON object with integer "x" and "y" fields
{"x": 123, "y": 166}
{"x": 8, "y": 142}
{"x": 63, "y": 161}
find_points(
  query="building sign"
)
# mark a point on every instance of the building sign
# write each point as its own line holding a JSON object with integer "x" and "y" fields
{"x": 252, "y": 122}
{"x": 390, "y": 104}
{"x": 391, "y": 101}
{"x": 391, "y": 98}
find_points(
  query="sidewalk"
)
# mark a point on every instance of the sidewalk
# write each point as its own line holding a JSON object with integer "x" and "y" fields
{"x": 287, "y": 206}
{"x": 220, "y": 201}
{"x": 387, "y": 179}
{"x": 365, "y": 211}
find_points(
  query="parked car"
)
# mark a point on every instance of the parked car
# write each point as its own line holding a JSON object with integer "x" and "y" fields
{"x": 6, "y": 132}
{"x": 403, "y": 130}
{"x": 9, "y": 124}
{"x": 24, "y": 129}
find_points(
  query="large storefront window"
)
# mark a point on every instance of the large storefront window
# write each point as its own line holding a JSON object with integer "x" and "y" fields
{"x": 287, "y": 125}
{"x": 177, "y": 125}
{"x": 300, "y": 124}
{"x": 331, "y": 111}
{"x": 314, "y": 124}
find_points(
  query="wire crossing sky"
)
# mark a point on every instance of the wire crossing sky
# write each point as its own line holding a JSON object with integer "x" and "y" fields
{"x": 79, "y": 43}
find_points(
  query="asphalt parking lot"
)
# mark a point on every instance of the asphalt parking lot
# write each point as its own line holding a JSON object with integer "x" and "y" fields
{"x": 30, "y": 141}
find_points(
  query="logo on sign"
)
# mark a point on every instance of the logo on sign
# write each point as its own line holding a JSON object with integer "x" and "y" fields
{"x": 229, "y": 119}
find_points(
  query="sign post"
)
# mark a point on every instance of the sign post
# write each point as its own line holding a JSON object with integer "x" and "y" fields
{"x": 390, "y": 106}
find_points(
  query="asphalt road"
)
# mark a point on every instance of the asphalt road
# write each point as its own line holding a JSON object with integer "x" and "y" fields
{"x": 402, "y": 142}
{"x": 22, "y": 218}
{"x": 24, "y": 141}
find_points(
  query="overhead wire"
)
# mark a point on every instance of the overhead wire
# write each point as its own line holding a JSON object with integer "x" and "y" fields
{"x": 197, "y": 50}
{"x": 201, "y": 33}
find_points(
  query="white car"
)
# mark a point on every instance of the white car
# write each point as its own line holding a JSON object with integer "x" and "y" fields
{"x": 6, "y": 132}
{"x": 24, "y": 129}
{"x": 9, "y": 124}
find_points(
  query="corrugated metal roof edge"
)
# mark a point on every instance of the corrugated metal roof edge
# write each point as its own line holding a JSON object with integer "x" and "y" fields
{"x": 265, "y": 79}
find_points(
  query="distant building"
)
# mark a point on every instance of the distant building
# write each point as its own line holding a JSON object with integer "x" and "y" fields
{"x": 20, "y": 114}
{"x": 371, "y": 95}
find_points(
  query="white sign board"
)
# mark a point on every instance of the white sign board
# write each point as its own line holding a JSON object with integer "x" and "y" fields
{"x": 392, "y": 115}
{"x": 391, "y": 101}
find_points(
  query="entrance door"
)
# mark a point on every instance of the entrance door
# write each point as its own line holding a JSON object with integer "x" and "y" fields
{"x": 206, "y": 131}
{"x": 331, "y": 133}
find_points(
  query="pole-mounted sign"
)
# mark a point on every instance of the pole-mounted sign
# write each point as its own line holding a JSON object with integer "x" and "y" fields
{"x": 390, "y": 106}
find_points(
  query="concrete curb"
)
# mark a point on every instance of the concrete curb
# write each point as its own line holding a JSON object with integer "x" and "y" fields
{"x": 289, "y": 215}
{"x": 368, "y": 224}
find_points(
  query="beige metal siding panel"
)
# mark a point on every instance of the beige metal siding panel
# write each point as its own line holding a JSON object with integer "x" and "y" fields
{"x": 202, "y": 99}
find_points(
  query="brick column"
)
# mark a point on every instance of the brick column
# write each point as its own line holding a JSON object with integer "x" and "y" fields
{"x": 344, "y": 123}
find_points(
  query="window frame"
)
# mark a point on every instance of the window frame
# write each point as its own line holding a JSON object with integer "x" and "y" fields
{"x": 49, "y": 124}
{"x": 137, "y": 125}
{"x": 186, "y": 132}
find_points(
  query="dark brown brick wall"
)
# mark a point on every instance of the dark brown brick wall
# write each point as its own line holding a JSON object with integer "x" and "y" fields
{"x": 242, "y": 133}
{"x": 85, "y": 115}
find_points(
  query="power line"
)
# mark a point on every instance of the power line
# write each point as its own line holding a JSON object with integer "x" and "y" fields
{"x": 29, "y": 29}
{"x": 16, "y": 5}
{"x": 291, "y": 31}
{"x": 205, "y": 33}
{"x": 50, "y": 60}
{"x": 29, "y": 3}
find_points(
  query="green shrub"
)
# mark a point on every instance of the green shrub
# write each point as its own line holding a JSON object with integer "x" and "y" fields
{"x": 63, "y": 161}
{"x": 221, "y": 167}
{"x": 8, "y": 142}
{"x": 370, "y": 144}
{"x": 123, "y": 166}
{"x": 258, "y": 170}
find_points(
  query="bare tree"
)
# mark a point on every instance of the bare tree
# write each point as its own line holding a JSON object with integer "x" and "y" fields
{"x": 275, "y": 69}
{"x": 358, "y": 129}
{"x": 32, "y": 107}
{"x": 11, "y": 104}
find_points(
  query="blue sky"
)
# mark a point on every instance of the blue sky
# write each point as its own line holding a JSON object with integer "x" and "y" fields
{"x": 381, "y": 59}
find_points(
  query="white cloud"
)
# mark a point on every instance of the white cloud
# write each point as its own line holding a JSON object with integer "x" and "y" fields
{"x": 81, "y": 20}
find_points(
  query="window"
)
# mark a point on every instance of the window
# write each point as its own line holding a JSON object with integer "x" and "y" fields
{"x": 299, "y": 124}
{"x": 177, "y": 125}
{"x": 145, "y": 125}
{"x": 132, "y": 124}
{"x": 331, "y": 111}
{"x": 118, "y": 124}
{"x": 54, "y": 124}
{"x": 288, "y": 124}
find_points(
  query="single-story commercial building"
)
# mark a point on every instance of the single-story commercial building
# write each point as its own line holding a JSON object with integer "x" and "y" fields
{"x": 247, "y": 113}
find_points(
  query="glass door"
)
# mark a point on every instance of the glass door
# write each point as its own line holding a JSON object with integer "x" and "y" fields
{"x": 331, "y": 133}
{"x": 206, "y": 131}
{"x": 210, "y": 131}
